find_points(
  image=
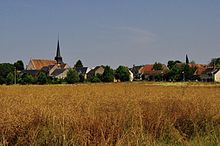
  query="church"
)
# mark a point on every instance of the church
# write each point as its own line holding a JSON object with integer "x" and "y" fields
{"x": 55, "y": 68}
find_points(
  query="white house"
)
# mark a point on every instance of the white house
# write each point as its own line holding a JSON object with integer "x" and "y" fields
{"x": 217, "y": 76}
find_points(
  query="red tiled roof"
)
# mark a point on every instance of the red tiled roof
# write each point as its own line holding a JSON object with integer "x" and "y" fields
{"x": 147, "y": 68}
{"x": 200, "y": 68}
{"x": 39, "y": 63}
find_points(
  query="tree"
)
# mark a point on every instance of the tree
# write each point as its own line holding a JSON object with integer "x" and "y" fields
{"x": 81, "y": 78}
{"x": 72, "y": 76}
{"x": 172, "y": 63}
{"x": 5, "y": 69}
{"x": 95, "y": 79}
{"x": 215, "y": 62}
{"x": 27, "y": 79}
{"x": 10, "y": 78}
{"x": 78, "y": 64}
{"x": 42, "y": 78}
{"x": 19, "y": 65}
{"x": 187, "y": 59}
{"x": 108, "y": 75}
{"x": 157, "y": 66}
{"x": 122, "y": 73}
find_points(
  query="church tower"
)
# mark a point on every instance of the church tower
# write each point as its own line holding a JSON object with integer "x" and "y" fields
{"x": 58, "y": 57}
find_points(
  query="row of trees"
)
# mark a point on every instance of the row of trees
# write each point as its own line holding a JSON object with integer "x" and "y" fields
{"x": 109, "y": 75}
{"x": 8, "y": 71}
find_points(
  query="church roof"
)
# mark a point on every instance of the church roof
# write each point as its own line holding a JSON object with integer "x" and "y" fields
{"x": 40, "y": 63}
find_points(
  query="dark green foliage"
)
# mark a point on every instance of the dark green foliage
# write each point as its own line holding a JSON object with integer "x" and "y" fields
{"x": 27, "y": 79}
{"x": 108, "y": 75}
{"x": 10, "y": 78}
{"x": 215, "y": 62}
{"x": 5, "y": 69}
{"x": 72, "y": 76}
{"x": 81, "y": 78}
{"x": 2, "y": 80}
{"x": 78, "y": 64}
{"x": 171, "y": 63}
{"x": 19, "y": 65}
{"x": 157, "y": 66}
{"x": 42, "y": 78}
{"x": 95, "y": 79}
{"x": 122, "y": 73}
{"x": 56, "y": 81}
{"x": 182, "y": 72}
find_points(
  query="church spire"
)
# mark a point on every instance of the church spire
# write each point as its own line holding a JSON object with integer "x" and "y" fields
{"x": 187, "y": 59}
{"x": 58, "y": 57}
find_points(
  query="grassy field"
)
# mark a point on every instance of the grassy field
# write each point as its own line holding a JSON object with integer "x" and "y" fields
{"x": 111, "y": 114}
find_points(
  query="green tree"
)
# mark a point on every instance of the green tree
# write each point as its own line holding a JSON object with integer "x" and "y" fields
{"x": 81, "y": 78}
{"x": 188, "y": 72}
{"x": 215, "y": 62}
{"x": 42, "y": 78}
{"x": 108, "y": 75}
{"x": 19, "y": 65}
{"x": 95, "y": 79}
{"x": 187, "y": 59}
{"x": 27, "y": 79}
{"x": 5, "y": 69}
{"x": 157, "y": 66}
{"x": 72, "y": 76}
{"x": 172, "y": 63}
{"x": 78, "y": 64}
{"x": 122, "y": 73}
{"x": 10, "y": 78}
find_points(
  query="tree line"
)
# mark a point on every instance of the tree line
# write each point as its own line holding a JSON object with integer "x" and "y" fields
{"x": 177, "y": 71}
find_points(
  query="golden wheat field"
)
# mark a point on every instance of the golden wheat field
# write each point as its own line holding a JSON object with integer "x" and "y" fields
{"x": 110, "y": 114}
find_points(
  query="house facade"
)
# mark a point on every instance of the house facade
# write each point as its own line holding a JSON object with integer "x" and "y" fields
{"x": 94, "y": 72}
{"x": 211, "y": 74}
{"x": 83, "y": 71}
{"x": 148, "y": 72}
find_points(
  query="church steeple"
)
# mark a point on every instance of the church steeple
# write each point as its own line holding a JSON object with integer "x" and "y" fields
{"x": 58, "y": 57}
{"x": 187, "y": 59}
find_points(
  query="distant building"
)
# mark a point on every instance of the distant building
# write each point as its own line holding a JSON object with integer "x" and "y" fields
{"x": 93, "y": 72}
{"x": 199, "y": 68}
{"x": 38, "y": 64}
{"x": 55, "y": 68}
{"x": 211, "y": 74}
{"x": 83, "y": 71}
{"x": 148, "y": 72}
{"x": 136, "y": 70}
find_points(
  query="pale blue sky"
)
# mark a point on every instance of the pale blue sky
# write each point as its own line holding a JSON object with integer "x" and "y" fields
{"x": 110, "y": 32}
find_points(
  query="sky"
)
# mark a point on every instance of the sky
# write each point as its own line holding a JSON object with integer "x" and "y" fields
{"x": 110, "y": 32}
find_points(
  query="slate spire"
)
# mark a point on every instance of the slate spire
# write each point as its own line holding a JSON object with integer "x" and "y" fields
{"x": 58, "y": 57}
{"x": 187, "y": 59}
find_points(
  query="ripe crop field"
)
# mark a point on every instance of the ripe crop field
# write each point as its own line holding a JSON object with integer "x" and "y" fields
{"x": 110, "y": 114}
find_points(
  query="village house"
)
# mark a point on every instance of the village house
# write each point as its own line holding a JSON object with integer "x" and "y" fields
{"x": 136, "y": 70}
{"x": 199, "y": 68}
{"x": 149, "y": 73}
{"x": 131, "y": 76}
{"x": 83, "y": 71}
{"x": 211, "y": 74}
{"x": 98, "y": 70}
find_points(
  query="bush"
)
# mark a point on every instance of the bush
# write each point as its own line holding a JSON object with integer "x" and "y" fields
{"x": 72, "y": 76}
{"x": 122, "y": 73}
{"x": 10, "y": 78}
{"x": 108, "y": 75}
{"x": 95, "y": 79}
{"x": 42, "y": 78}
